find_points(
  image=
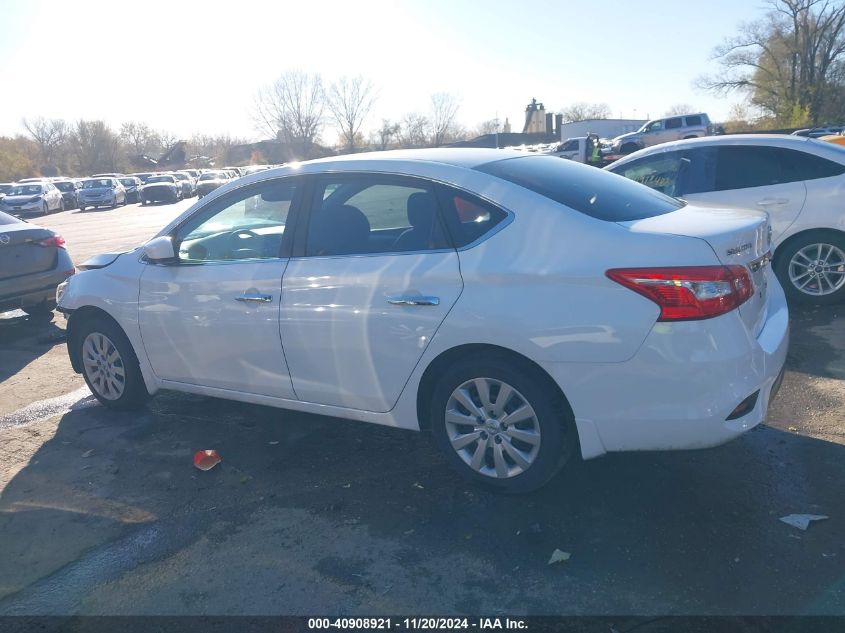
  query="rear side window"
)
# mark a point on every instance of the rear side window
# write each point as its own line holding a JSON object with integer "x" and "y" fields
{"x": 693, "y": 120}
{"x": 593, "y": 192}
{"x": 674, "y": 124}
{"x": 467, "y": 217}
{"x": 740, "y": 167}
{"x": 811, "y": 167}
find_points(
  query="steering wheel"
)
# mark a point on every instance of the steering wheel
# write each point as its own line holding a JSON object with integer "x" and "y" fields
{"x": 238, "y": 249}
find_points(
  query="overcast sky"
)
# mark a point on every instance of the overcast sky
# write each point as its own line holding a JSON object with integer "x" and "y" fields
{"x": 189, "y": 67}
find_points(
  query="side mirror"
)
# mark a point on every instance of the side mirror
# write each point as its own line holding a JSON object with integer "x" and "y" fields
{"x": 160, "y": 250}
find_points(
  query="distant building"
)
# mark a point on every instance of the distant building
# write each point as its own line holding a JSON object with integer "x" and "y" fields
{"x": 605, "y": 128}
{"x": 507, "y": 129}
{"x": 536, "y": 121}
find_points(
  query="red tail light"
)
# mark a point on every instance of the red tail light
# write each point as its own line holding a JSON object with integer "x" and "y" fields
{"x": 56, "y": 240}
{"x": 689, "y": 292}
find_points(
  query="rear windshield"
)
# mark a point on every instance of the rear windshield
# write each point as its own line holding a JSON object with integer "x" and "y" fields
{"x": 96, "y": 184}
{"x": 212, "y": 176}
{"x": 153, "y": 179}
{"x": 588, "y": 190}
{"x": 64, "y": 186}
{"x": 129, "y": 182}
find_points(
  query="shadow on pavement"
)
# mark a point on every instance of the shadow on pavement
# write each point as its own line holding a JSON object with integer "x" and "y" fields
{"x": 308, "y": 514}
{"x": 24, "y": 338}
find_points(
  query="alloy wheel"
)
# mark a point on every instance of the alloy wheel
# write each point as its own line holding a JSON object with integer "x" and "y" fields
{"x": 492, "y": 428}
{"x": 818, "y": 269}
{"x": 103, "y": 366}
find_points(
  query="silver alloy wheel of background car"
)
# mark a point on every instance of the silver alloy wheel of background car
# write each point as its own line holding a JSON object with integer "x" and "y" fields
{"x": 818, "y": 269}
{"x": 103, "y": 366}
{"x": 492, "y": 427}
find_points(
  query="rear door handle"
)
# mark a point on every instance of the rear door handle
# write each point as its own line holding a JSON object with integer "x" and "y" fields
{"x": 765, "y": 202}
{"x": 254, "y": 298}
{"x": 413, "y": 300}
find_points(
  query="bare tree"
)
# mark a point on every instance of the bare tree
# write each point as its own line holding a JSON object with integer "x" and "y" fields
{"x": 791, "y": 63}
{"x": 97, "y": 147}
{"x": 413, "y": 130}
{"x": 49, "y": 135}
{"x": 444, "y": 109}
{"x": 490, "y": 126}
{"x": 350, "y": 100}
{"x": 383, "y": 137}
{"x": 140, "y": 139}
{"x": 582, "y": 111}
{"x": 291, "y": 109}
{"x": 680, "y": 109}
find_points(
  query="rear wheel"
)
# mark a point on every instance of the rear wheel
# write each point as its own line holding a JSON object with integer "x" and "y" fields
{"x": 45, "y": 208}
{"x": 500, "y": 423}
{"x": 811, "y": 268}
{"x": 109, "y": 364}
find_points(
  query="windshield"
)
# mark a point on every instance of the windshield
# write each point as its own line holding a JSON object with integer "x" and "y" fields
{"x": 64, "y": 186}
{"x": 152, "y": 179}
{"x": 5, "y": 188}
{"x": 129, "y": 182}
{"x": 25, "y": 190}
{"x": 588, "y": 190}
{"x": 98, "y": 183}
{"x": 181, "y": 176}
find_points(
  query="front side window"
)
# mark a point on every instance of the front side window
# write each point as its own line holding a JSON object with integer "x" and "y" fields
{"x": 570, "y": 146}
{"x": 248, "y": 224}
{"x": 658, "y": 172}
{"x": 655, "y": 127}
{"x": 369, "y": 214}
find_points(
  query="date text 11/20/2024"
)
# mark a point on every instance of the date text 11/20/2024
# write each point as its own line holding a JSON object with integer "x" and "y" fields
{"x": 418, "y": 624}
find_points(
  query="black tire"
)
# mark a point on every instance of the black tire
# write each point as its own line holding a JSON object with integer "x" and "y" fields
{"x": 134, "y": 392}
{"x": 553, "y": 415}
{"x": 82, "y": 207}
{"x": 40, "y": 310}
{"x": 62, "y": 205}
{"x": 629, "y": 148}
{"x": 783, "y": 259}
{"x": 45, "y": 209}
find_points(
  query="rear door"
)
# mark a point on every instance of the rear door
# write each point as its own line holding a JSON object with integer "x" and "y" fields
{"x": 749, "y": 177}
{"x": 372, "y": 279}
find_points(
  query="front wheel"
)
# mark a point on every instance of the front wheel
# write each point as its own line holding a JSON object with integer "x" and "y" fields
{"x": 109, "y": 364}
{"x": 501, "y": 423}
{"x": 811, "y": 268}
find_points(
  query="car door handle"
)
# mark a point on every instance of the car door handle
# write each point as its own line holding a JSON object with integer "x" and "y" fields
{"x": 255, "y": 298}
{"x": 765, "y": 202}
{"x": 413, "y": 300}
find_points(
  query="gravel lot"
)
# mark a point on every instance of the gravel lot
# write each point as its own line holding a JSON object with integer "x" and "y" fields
{"x": 103, "y": 513}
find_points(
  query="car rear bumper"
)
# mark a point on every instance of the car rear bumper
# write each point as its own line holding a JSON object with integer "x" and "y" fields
{"x": 683, "y": 384}
{"x": 28, "y": 290}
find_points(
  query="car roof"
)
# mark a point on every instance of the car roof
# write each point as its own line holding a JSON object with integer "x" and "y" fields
{"x": 457, "y": 156}
{"x": 771, "y": 140}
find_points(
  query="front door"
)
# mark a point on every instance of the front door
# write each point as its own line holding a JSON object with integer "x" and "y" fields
{"x": 212, "y": 317}
{"x": 374, "y": 280}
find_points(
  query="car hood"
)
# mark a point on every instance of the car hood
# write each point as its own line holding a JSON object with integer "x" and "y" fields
{"x": 21, "y": 199}
{"x": 624, "y": 137}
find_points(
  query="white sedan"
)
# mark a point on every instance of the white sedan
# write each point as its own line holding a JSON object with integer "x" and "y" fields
{"x": 799, "y": 181}
{"x": 522, "y": 308}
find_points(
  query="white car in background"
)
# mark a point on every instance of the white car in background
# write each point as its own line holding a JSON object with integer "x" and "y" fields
{"x": 522, "y": 308}
{"x": 798, "y": 181}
